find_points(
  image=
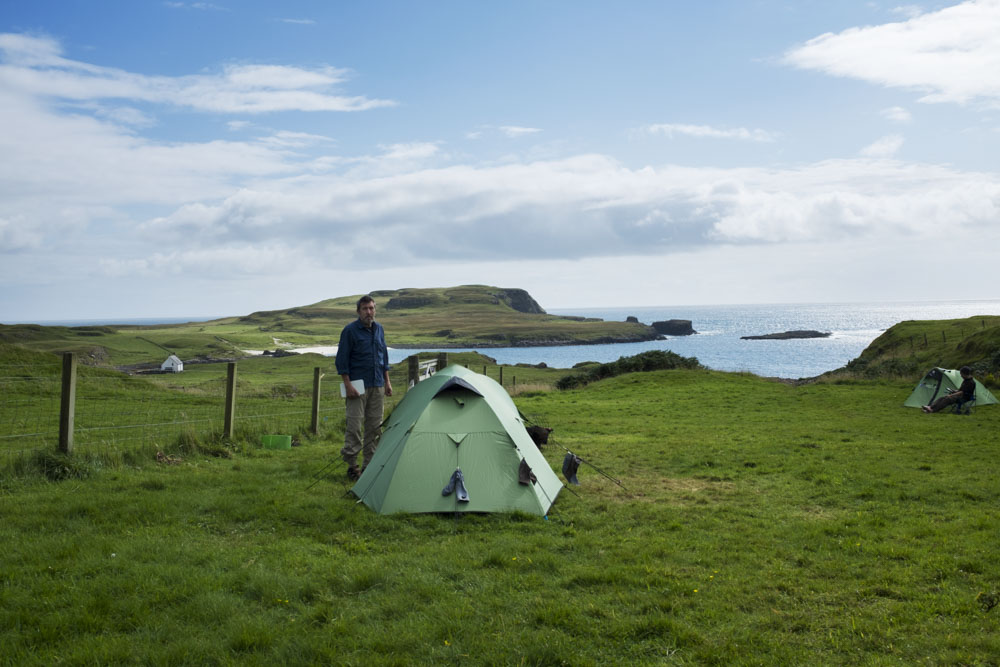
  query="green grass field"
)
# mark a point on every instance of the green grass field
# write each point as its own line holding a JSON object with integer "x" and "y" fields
{"x": 755, "y": 523}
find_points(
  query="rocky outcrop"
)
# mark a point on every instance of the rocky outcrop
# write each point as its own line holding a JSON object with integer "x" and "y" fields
{"x": 277, "y": 353}
{"x": 404, "y": 302}
{"x": 632, "y": 319}
{"x": 674, "y": 328}
{"x": 786, "y": 335}
{"x": 520, "y": 300}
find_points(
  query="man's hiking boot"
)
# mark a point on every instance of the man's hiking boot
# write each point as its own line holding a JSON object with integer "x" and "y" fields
{"x": 353, "y": 473}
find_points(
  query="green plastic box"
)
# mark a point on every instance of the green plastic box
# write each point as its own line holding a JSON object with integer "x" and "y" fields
{"x": 277, "y": 441}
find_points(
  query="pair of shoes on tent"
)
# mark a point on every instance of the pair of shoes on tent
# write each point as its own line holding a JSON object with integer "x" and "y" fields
{"x": 353, "y": 473}
{"x": 456, "y": 484}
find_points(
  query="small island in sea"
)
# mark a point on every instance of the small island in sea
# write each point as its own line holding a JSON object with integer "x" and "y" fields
{"x": 787, "y": 335}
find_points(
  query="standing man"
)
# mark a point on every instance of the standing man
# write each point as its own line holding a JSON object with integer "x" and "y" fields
{"x": 362, "y": 355}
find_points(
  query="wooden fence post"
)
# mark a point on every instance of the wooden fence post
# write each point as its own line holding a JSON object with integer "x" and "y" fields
{"x": 317, "y": 375}
{"x": 67, "y": 403}
{"x": 413, "y": 370}
{"x": 227, "y": 428}
{"x": 442, "y": 360}
{"x": 501, "y": 376}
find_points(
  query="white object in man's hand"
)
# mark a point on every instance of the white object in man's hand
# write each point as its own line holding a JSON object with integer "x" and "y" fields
{"x": 359, "y": 386}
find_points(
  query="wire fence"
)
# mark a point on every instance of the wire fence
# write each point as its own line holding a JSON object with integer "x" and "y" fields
{"x": 29, "y": 408}
{"x": 116, "y": 415}
{"x": 107, "y": 415}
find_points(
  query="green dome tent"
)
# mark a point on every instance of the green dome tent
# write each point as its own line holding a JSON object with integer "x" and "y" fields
{"x": 457, "y": 420}
{"x": 940, "y": 381}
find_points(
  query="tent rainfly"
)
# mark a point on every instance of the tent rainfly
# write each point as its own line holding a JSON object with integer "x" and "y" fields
{"x": 940, "y": 381}
{"x": 456, "y": 443}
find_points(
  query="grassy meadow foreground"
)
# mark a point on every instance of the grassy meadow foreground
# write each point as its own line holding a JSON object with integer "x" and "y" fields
{"x": 756, "y": 522}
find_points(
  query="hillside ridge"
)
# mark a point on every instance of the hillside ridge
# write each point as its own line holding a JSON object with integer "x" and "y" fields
{"x": 464, "y": 316}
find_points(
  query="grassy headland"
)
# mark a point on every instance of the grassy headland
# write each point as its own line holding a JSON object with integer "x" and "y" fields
{"x": 910, "y": 348}
{"x": 465, "y": 316}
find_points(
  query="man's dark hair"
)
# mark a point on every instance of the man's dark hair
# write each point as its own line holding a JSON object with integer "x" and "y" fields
{"x": 965, "y": 370}
{"x": 365, "y": 299}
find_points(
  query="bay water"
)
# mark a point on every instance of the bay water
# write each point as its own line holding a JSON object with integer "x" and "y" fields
{"x": 718, "y": 344}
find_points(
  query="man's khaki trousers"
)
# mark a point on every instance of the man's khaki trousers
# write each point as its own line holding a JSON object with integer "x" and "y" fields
{"x": 366, "y": 411}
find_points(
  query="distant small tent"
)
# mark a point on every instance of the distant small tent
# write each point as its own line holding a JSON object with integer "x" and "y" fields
{"x": 940, "y": 381}
{"x": 172, "y": 365}
{"x": 456, "y": 443}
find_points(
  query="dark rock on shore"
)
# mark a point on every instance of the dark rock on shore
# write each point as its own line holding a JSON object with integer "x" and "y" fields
{"x": 786, "y": 335}
{"x": 520, "y": 300}
{"x": 632, "y": 319}
{"x": 278, "y": 353}
{"x": 674, "y": 328}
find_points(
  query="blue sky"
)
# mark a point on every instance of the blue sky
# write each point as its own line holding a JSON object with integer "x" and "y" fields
{"x": 199, "y": 159}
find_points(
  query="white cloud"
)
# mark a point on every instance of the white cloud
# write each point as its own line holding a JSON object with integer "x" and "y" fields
{"x": 229, "y": 262}
{"x": 410, "y": 151}
{"x": 35, "y": 66}
{"x": 515, "y": 131}
{"x": 287, "y": 139}
{"x": 670, "y": 130}
{"x": 509, "y": 131}
{"x": 591, "y": 206}
{"x": 60, "y": 167}
{"x": 299, "y": 21}
{"x": 17, "y": 234}
{"x": 897, "y": 114}
{"x": 203, "y": 6}
{"x": 885, "y": 147}
{"x": 951, "y": 55}
{"x": 909, "y": 11}
{"x": 128, "y": 116}
{"x": 70, "y": 180}
{"x": 84, "y": 195}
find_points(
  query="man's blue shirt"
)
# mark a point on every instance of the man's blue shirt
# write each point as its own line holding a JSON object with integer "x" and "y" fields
{"x": 362, "y": 354}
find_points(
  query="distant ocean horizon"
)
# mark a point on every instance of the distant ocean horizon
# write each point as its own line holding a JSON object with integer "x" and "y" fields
{"x": 106, "y": 321}
{"x": 717, "y": 344}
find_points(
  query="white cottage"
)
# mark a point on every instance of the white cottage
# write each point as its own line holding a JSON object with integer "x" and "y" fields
{"x": 172, "y": 364}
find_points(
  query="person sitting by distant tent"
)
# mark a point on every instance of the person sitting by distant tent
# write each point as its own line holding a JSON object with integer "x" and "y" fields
{"x": 966, "y": 392}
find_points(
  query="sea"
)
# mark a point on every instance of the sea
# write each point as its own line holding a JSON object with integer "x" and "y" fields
{"x": 717, "y": 344}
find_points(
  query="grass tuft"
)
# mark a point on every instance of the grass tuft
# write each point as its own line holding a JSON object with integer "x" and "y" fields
{"x": 58, "y": 467}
